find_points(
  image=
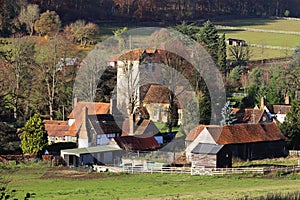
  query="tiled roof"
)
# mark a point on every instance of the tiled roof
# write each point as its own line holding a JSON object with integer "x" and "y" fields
{"x": 279, "y": 109}
{"x": 57, "y": 128}
{"x": 104, "y": 124}
{"x": 138, "y": 54}
{"x": 241, "y": 133}
{"x": 94, "y": 108}
{"x": 248, "y": 115}
{"x": 97, "y": 124}
{"x": 193, "y": 134}
{"x": 137, "y": 143}
{"x": 159, "y": 94}
{"x": 142, "y": 127}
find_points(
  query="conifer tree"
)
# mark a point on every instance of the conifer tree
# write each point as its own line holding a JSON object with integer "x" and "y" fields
{"x": 291, "y": 126}
{"x": 210, "y": 38}
{"x": 228, "y": 117}
{"x": 221, "y": 63}
{"x": 34, "y": 136}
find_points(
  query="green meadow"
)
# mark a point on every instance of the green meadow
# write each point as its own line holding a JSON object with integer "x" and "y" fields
{"x": 285, "y": 41}
{"x": 108, "y": 186}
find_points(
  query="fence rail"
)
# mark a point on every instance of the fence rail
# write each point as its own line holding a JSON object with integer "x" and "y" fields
{"x": 196, "y": 170}
{"x": 208, "y": 171}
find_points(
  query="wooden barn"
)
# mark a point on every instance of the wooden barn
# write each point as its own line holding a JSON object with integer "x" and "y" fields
{"x": 214, "y": 146}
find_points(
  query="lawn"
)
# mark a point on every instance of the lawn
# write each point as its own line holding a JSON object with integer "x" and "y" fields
{"x": 44, "y": 183}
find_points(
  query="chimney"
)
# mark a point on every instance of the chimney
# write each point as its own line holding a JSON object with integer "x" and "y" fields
{"x": 287, "y": 99}
{"x": 262, "y": 102}
{"x": 113, "y": 105}
{"x": 75, "y": 101}
{"x": 131, "y": 124}
{"x": 83, "y": 130}
{"x": 83, "y": 135}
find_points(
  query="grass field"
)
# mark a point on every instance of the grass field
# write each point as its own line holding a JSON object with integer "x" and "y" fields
{"x": 62, "y": 183}
{"x": 284, "y": 40}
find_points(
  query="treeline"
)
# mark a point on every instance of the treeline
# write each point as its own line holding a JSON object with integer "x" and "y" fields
{"x": 166, "y": 10}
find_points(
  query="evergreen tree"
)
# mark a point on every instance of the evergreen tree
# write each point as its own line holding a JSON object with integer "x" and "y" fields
{"x": 210, "y": 38}
{"x": 204, "y": 108}
{"x": 34, "y": 136}
{"x": 221, "y": 63}
{"x": 227, "y": 115}
{"x": 291, "y": 126}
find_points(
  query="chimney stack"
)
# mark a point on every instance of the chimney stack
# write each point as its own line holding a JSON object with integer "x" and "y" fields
{"x": 287, "y": 99}
{"x": 262, "y": 102}
{"x": 113, "y": 105}
{"x": 75, "y": 101}
{"x": 83, "y": 139}
{"x": 83, "y": 129}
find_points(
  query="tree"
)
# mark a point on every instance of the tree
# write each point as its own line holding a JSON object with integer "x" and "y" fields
{"x": 18, "y": 54}
{"x": 210, "y": 38}
{"x": 49, "y": 22}
{"x": 83, "y": 32}
{"x": 233, "y": 81}
{"x": 204, "y": 108}
{"x": 221, "y": 62}
{"x": 9, "y": 10}
{"x": 228, "y": 117}
{"x": 28, "y": 16}
{"x": 34, "y": 136}
{"x": 55, "y": 82}
{"x": 291, "y": 126}
{"x": 240, "y": 55}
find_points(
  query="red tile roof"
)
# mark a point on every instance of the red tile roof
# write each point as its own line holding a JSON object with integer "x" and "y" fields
{"x": 248, "y": 115}
{"x": 137, "y": 143}
{"x": 57, "y": 128}
{"x": 279, "y": 109}
{"x": 240, "y": 133}
{"x": 193, "y": 134}
{"x": 159, "y": 94}
{"x": 137, "y": 54}
{"x": 142, "y": 127}
{"x": 94, "y": 108}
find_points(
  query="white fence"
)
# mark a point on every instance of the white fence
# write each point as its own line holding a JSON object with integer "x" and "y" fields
{"x": 196, "y": 171}
{"x": 257, "y": 30}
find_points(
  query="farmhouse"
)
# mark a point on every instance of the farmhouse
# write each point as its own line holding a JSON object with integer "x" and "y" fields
{"x": 58, "y": 131}
{"x": 277, "y": 111}
{"x": 214, "y": 146}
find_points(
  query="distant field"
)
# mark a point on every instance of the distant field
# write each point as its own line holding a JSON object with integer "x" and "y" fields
{"x": 108, "y": 186}
{"x": 267, "y": 24}
{"x": 285, "y": 41}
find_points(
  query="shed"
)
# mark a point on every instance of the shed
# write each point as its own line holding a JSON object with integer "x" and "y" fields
{"x": 108, "y": 154}
{"x": 211, "y": 155}
{"x": 236, "y": 42}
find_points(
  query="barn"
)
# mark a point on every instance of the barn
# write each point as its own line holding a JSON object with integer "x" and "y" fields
{"x": 215, "y": 146}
